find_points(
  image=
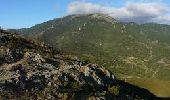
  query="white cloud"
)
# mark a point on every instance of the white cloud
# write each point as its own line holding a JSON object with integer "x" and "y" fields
{"x": 162, "y": 19}
{"x": 139, "y": 12}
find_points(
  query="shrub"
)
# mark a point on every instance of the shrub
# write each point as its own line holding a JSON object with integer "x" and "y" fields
{"x": 114, "y": 90}
{"x": 75, "y": 85}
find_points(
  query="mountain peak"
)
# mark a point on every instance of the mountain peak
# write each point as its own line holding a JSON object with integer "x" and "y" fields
{"x": 99, "y": 16}
{"x": 104, "y": 16}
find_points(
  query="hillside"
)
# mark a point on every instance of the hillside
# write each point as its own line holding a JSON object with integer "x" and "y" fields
{"x": 31, "y": 70}
{"x": 127, "y": 49}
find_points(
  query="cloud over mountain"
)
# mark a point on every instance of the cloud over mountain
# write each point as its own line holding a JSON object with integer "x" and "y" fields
{"x": 139, "y": 12}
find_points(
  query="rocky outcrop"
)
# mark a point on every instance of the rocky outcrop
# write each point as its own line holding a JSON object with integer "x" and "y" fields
{"x": 32, "y": 71}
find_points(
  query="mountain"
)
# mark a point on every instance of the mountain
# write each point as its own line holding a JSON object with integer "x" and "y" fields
{"x": 136, "y": 53}
{"x": 31, "y": 70}
{"x": 127, "y": 49}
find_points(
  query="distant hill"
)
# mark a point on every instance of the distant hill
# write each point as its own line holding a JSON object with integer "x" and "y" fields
{"x": 127, "y": 49}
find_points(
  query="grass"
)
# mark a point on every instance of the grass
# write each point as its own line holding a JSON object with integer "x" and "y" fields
{"x": 158, "y": 87}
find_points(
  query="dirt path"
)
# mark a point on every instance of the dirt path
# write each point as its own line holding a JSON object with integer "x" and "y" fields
{"x": 5, "y": 70}
{"x": 9, "y": 66}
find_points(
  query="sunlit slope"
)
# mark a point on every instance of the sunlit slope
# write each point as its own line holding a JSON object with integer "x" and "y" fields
{"x": 158, "y": 87}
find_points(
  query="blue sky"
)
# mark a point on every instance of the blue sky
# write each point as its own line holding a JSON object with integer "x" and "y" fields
{"x": 26, "y": 13}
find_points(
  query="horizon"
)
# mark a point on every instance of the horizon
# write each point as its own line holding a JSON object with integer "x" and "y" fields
{"x": 85, "y": 15}
{"x": 24, "y": 14}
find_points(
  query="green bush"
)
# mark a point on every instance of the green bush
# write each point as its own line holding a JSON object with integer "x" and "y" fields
{"x": 114, "y": 90}
{"x": 75, "y": 85}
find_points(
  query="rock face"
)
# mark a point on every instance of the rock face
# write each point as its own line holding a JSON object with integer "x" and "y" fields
{"x": 29, "y": 70}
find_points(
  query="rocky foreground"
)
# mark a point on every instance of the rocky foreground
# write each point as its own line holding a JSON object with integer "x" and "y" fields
{"x": 30, "y": 70}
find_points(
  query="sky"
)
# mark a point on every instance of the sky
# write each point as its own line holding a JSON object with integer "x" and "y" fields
{"x": 27, "y": 13}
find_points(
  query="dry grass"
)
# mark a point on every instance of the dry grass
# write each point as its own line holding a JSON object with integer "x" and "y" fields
{"x": 158, "y": 87}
